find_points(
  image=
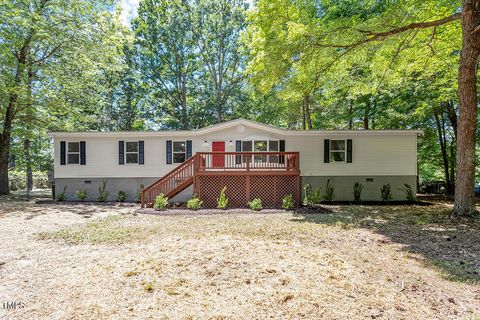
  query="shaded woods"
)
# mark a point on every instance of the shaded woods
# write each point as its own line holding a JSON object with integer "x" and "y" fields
{"x": 76, "y": 65}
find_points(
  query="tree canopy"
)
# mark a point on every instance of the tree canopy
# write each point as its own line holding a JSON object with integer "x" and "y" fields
{"x": 184, "y": 64}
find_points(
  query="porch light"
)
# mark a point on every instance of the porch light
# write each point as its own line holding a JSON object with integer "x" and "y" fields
{"x": 230, "y": 143}
{"x": 205, "y": 143}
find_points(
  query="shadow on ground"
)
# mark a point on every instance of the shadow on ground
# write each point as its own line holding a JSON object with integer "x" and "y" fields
{"x": 451, "y": 245}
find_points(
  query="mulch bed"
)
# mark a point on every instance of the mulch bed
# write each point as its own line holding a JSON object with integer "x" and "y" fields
{"x": 87, "y": 203}
{"x": 184, "y": 211}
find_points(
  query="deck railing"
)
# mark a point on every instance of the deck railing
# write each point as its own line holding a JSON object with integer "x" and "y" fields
{"x": 214, "y": 163}
{"x": 170, "y": 184}
{"x": 248, "y": 161}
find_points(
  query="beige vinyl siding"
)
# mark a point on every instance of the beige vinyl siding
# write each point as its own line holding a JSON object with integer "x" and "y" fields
{"x": 373, "y": 154}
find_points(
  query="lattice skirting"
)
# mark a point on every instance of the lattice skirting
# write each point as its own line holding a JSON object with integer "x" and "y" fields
{"x": 243, "y": 188}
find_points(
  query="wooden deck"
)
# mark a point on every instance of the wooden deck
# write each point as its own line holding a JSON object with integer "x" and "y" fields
{"x": 247, "y": 175}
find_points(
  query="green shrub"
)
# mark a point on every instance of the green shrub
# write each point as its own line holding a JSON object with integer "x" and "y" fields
{"x": 194, "y": 204}
{"x": 357, "y": 191}
{"x": 222, "y": 200}
{"x": 409, "y": 193}
{"x": 122, "y": 196}
{"x": 103, "y": 192}
{"x": 329, "y": 192}
{"x": 61, "y": 195}
{"x": 288, "y": 203}
{"x": 139, "y": 193}
{"x": 40, "y": 180}
{"x": 386, "y": 192}
{"x": 18, "y": 180}
{"x": 311, "y": 197}
{"x": 81, "y": 194}
{"x": 256, "y": 204}
{"x": 161, "y": 202}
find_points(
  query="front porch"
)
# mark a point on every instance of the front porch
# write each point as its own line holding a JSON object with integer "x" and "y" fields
{"x": 247, "y": 175}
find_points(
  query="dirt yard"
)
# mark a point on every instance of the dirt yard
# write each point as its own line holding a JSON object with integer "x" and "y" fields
{"x": 64, "y": 261}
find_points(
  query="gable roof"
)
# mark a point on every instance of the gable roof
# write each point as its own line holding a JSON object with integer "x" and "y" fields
{"x": 231, "y": 124}
{"x": 244, "y": 122}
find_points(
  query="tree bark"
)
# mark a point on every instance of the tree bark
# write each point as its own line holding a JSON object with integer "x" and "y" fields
{"x": 442, "y": 139}
{"x": 28, "y": 165}
{"x": 350, "y": 115}
{"x": 307, "y": 117}
{"x": 365, "y": 121}
{"x": 5, "y": 144}
{"x": 366, "y": 114}
{"x": 467, "y": 94}
{"x": 6, "y": 135}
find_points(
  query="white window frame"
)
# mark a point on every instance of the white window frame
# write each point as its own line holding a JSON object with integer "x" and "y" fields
{"x": 174, "y": 152}
{"x": 260, "y": 158}
{"x": 268, "y": 144}
{"x": 132, "y": 152}
{"x": 69, "y": 153}
{"x": 338, "y": 151}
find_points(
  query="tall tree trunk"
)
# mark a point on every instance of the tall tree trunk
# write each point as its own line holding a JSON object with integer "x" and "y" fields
{"x": 28, "y": 165}
{"x": 467, "y": 95}
{"x": 6, "y": 134}
{"x": 219, "y": 106}
{"x": 442, "y": 139}
{"x": 5, "y": 144}
{"x": 304, "y": 117}
{"x": 130, "y": 116}
{"x": 452, "y": 166}
{"x": 350, "y": 115}
{"x": 452, "y": 117}
{"x": 365, "y": 116}
{"x": 307, "y": 117}
{"x": 26, "y": 141}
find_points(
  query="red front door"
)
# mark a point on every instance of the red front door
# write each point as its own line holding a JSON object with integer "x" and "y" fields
{"x": 218, "y": 160}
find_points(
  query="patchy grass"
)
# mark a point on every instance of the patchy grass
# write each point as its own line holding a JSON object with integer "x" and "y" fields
{"x": 148, "y": 286}
{"x": 106, "y": 230}
{"x": 357, "y": 262}
{"x": 447, "y": 243}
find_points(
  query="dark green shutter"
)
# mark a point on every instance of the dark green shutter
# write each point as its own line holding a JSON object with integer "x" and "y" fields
{"x": 141, "y": 152}
{"x": 189, "y": 149}
{"x": 121, "y": 152}
{"x": 349, "y": 150}
{"x": 238, "y": 148}
{"x": 326, "y": 150}
{"x": 169, "y": 152}
{"x": 83, "y": 151}
{"x": 63, "y": 153}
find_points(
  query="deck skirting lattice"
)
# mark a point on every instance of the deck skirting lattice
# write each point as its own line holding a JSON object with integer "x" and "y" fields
{"x": 243, "y": 188}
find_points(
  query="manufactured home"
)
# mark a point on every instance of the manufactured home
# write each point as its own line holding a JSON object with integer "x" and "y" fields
{"x": 249, "y": 158}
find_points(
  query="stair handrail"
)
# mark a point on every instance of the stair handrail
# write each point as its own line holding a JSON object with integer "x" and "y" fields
{"x": 192, "y": 161}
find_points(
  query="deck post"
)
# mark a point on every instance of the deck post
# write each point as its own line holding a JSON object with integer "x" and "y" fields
{"x": 299, "y": 192}
{"x": 248, "y": 187}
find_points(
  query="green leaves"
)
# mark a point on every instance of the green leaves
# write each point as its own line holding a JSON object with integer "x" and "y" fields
{"x": 190, "y": 57}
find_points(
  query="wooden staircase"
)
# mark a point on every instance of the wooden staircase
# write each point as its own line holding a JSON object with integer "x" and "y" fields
{"x": 206, "y": 167}
{"x": 172, "y": 183}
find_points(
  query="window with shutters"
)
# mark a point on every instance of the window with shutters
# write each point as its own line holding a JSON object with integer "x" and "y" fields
{"x": 338, "y": 150}
{"x": 131, "y": 151}
{"x": 73, "y": 153}
{"x": 179, "y": 151}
